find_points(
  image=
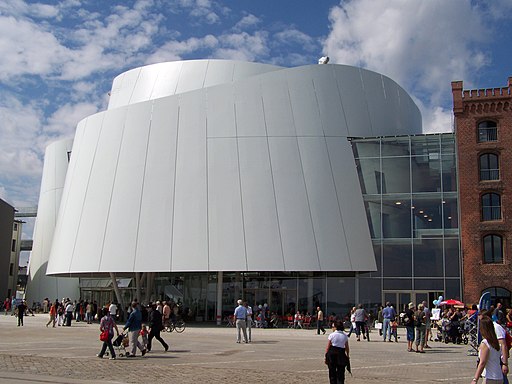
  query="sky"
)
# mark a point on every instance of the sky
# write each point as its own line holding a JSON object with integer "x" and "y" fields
{"x": 58, "y": 58}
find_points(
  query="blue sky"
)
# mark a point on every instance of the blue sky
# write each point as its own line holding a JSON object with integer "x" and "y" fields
{"x": 58, "y": 59}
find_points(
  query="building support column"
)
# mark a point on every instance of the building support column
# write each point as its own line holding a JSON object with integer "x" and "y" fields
{"x": 137, "y": 287}
{"x": 220, "y": 283}
{"x": 119, "y": 297}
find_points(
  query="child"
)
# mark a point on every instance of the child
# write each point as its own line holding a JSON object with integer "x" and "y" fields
{"x": 144, "y": 333}
{"x": 394, "y": 326}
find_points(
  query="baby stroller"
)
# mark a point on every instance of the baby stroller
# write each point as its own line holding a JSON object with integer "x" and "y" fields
{"x": 120, "y": 343}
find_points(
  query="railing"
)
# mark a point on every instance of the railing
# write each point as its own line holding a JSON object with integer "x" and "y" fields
{"x": 491, "y": 213}
{"x": 487, "y": 134}
{"x": 489, "y": 174}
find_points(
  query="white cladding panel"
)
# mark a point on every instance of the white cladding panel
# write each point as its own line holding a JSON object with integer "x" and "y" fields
{"x": 323, "y": 203}
{"x": 157, "y": 204}
{"x": 52, "y": 184}
{"x": 225, "y": 221}
{"x": 355, "y": 225}
{"x": 190, "y": 238}
{"x": 124, "y": 210}
{"x": 295, "y": 224}
{"x": 329, "y": 102}
{"x": 225, "y": 166}
{"x": 276, "y": 105}
{"x": 262, "y": 234}
{"x": 220, "y": 112}
{"x": 102, "y": 159}
{"x": 304, "y": 104}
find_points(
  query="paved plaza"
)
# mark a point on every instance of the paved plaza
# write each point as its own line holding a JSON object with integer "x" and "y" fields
{"x": 209, "y": 354}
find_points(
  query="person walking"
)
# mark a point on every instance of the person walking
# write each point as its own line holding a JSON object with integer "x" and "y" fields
{"x": 337, "y": 354}
{"x": 419, "y": 322}
{"x": 155, "y": 327}
{"x": 319, "y": 321}
{"x": 240, "y": 321}
{"x": 489, "y": 354}
{"x": 107, "y": 323}
{"x": 7, "y": 305}
{"x": 53, "y": 314}
{"x": 360, "y": 319}
{"x": 388, "y": 315}
{"x": 134, "y": 325}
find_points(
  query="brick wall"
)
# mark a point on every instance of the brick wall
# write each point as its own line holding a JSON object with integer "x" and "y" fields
{"x": 470, "y": 108}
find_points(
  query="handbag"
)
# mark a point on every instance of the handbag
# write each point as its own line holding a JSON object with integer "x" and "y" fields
{"x": 104, "y": 336}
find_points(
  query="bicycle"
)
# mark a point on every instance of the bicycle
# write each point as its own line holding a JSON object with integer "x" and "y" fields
{"x": 178, "y": 326}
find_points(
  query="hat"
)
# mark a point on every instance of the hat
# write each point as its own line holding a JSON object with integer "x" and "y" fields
{"x": 410, "y": 305}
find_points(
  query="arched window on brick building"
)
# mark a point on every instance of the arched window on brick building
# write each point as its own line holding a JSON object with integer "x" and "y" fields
{"x": 499, "y": 294}
{"x": 489, "y": 167}
{"x": 487, "y": 131}
{"x": 493, "y": 249}
{"x": 491, "y": 206}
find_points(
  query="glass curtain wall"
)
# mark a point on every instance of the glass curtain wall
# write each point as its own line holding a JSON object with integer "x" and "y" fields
{"x": 409, "y": 189}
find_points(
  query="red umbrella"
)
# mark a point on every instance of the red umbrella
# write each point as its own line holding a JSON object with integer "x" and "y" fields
{"x": 452, "y": 302}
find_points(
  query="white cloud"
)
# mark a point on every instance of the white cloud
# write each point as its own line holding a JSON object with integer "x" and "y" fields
{"x": 247, "y": 21}
{"x": 62, "y": 123}
{"x": 294, "y": 36}
{"x": 421, "y": 45}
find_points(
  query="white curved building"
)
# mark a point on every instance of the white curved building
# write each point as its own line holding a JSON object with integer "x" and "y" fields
{"x": 40, "y": 286}
{"x": 220, "y": 177}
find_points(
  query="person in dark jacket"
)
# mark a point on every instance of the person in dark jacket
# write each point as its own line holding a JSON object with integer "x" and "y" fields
{"x": 22, "y": 307}
{"x": 155, "y": 325}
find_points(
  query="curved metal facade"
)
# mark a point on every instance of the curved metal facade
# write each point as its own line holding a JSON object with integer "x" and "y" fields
{"x": 216, "y": 165}
{"x": 52, "y": 184}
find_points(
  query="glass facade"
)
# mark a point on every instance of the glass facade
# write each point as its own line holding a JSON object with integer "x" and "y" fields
{"x": 409, "y": 191}
{"x": 409, "y": 187}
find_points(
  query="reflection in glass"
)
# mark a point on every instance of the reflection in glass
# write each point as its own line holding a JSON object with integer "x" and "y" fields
{"x": 372, "y": 207}
{"x": 396, "y": 175}
{"x": 449, "y": 173}
{"x": 427, "y": 218}
{"x": 396, "y": 217}
{"x": 397, "y": 285}
{"x": 425, "y": 145}
{"x": 451, "y": 257}
{"x": 395, "y": 146}
{"x": 342, "y": 294}
{"x": 428, "y": 257}
{"x": 366, "y": 148}
{"x": 368, "y": 171}
{"x": 426, "y": 173}
{"x": 397, "y": 258}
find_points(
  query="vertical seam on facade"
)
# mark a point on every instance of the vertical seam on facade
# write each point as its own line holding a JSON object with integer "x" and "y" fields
{"x": 65, "y": 203}
{"x": 206, "y": 162}
{"x": 134, "y": 86}
{"x": 332, "y": 171}
{"x": 240, "y": 185}
{"x": 205, "y": 73}
{"x": 85, "y": 194}
{"x": 154, "y": 84}
{"x": 304, "y": 179}
{"x": 272, "y": 177}
{"x": 174, "y": 185}
{"x": 112, "y": 190}
{"x": 366, "y": 102}
{"x": 411, "y": 233}
{"x": 143, "y": 182}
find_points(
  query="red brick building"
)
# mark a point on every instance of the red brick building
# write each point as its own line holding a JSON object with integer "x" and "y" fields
{"x": 483, "y": 127}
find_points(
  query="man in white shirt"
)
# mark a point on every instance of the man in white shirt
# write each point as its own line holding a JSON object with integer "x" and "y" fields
{"x": 112, "y": 309}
